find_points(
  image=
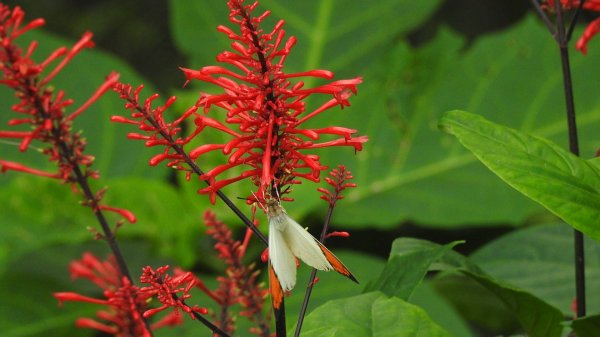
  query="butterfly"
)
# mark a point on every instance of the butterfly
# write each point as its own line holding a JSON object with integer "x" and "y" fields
{"x": 288, "y": 240}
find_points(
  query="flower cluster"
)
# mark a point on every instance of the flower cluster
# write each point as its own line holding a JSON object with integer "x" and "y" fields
{"x": 171, "y": 290}
{"x": 265, "y": 110}
{"x": 42, "y": 108}
{"x": 593, "y": 27}
{"x": 122, "y": 301}
{"x": 240, "y": 284}
{"x": 338, "y": 180}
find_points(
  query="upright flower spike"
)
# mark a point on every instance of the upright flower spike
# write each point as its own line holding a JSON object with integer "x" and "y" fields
{"x": 240, "y": 285}
{"x": 265, "y": 113}
{"x": 42, "y": 108}
{"x": 267, "y": 108}
{"x": 592, "y": 28}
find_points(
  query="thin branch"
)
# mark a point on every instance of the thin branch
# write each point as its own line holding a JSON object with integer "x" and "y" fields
{"x": 544, "y": 17}
{"x": 313, "y": 274}
{"x": 574, "y": 20}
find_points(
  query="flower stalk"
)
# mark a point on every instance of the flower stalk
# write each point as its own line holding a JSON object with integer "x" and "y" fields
{"x": 562, "y": 35}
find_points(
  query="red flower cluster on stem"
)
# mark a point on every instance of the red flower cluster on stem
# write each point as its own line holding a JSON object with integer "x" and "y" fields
{"x": 123, "y": 301}
{"x": 240, "y": 284}
{"x": 592, "y": 28}
{"x": 171, "y": 291}
{"x": 42, "y": 108}
{"x": 339, "y": 180}
{"x": 265, "y": 110}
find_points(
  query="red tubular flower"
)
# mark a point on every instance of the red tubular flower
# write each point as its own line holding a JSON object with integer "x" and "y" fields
{"x": 593, "y": 27}
{"x": 265, "y": 112}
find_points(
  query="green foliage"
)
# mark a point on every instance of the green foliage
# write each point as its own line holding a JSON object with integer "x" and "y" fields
{"x": 409, "y": 261}
{"x": 370, "y": 314}
{"x": 522, "y": 256}
{"x": 565, "y": 184}
{"x": 587, "y": 326}
{"x": 409, "y": 171}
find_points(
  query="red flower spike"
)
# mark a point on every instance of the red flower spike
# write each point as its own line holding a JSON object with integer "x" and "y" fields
{"x": 44, "y": 107}
{"x": 122, "y": 301}
{"x": 593, "y": 27}
{"x": 338, "y": 180}
{"x": 241, "y": 284}
{"x": 265, "y": 112}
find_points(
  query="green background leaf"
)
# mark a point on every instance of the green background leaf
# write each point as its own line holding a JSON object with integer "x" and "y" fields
{"x": 409, "y": 261}
{"x": 565, "y": 184}
{"x": 587, "y": 326}
{"x": 522, "y": 256}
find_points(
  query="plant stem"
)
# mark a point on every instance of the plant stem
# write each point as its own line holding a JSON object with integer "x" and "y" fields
{"x": 313, "y": 274}
{"x": 67, "y": 153}
{"x": 578, "y": 244}
{"x": 562, "y": 37}
{"x": 280, "y": 328}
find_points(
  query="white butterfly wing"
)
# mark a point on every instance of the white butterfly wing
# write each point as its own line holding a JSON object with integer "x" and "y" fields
{"x": 304, "y": 245}
{"x": 281, "y": 257}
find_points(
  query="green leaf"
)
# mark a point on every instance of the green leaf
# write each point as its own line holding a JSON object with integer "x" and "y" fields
{"x": 332, "y": 285}
{"x": 586, "y": 326}
{"x": 538, "y": 318}
{"x": 409, "y": 261}
{"x": 476, "y": 304}
{"x": 440, "y": 310}
{"x": 28, "y": 308}
{"x": 522, "y": 256}
{"x": 370, "y": 314}
{"x": 563, "y": 183}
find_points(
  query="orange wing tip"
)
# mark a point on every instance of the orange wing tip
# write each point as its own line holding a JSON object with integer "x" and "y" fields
{"x": 275, "y": 289}
{"x": 337, "y": 264}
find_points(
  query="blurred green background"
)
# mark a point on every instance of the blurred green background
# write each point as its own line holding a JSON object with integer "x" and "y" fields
{"x": 418, "y": 59}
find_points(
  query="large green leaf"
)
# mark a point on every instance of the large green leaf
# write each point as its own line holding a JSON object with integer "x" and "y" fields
{"x": 440, "y": 310}
{"x": 538, "y": 318}
{"x": 565, "y": 184}
{"x": 540, "y": 260}
{"x": 370, "y": 314}
{"x": 409, "y": 261}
